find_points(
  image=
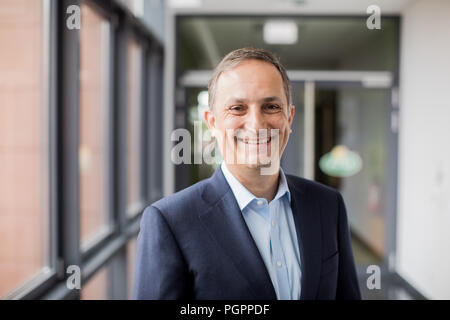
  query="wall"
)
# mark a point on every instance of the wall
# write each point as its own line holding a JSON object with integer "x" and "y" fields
{"x": 423, "y": 238}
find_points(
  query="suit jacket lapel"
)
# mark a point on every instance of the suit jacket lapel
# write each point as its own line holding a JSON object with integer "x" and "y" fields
{"x": 307, "y": 224}
{"x": 225, "y": 223}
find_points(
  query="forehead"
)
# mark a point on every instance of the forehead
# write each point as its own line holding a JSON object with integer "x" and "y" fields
{"x": 250, "y": 77}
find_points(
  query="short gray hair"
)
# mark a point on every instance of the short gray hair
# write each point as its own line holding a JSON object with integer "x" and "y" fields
{"x": 237, "y": 56}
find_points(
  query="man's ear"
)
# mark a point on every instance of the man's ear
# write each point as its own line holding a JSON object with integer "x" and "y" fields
{"x": 210, "y": 120}
{"x": 291, "y": 116}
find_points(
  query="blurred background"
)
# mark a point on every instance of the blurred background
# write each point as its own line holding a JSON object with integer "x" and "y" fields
{"x": 86, "y": 116}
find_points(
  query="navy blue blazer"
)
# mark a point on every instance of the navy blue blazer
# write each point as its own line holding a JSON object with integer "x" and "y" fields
{"x": 195, "y": 244}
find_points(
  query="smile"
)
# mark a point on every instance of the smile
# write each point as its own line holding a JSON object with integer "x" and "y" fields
{"x": 254, "y": 141}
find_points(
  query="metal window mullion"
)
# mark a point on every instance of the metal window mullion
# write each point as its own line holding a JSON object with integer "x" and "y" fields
{"x": 154, "y": 120}
{"x": 111, "y": 124}
{"x": 53, "y": 133}
{"x": 120, "y": 126}
{"x": 68, "y": 142}
{"x": 148, "y": 124}
{"x": 116, "y": 273}
{"x": 143, "y": 105}
{"x": 169, "y": 103}
{"x": 158, "y": 107}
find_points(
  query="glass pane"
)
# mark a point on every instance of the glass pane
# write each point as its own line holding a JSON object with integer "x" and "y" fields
{"x": 94, "y": 106}
{"x": 24, "y": 206}
{"x": 131, "y": 256}
{"x": 134, "y": 117}
{"x": 97, "y": 287}
{"x": 201, "y": 164}
{"x": 363, "y": 120}
{"x": 358, "y": 119}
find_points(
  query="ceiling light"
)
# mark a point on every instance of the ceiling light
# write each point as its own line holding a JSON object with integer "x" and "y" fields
{"x": 178, "y": 4}
{"x": 280, "y": 32}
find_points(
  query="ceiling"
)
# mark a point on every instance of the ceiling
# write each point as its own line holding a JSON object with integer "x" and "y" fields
{"x": 341, "y": 7}
{"x": 324, "y": 43}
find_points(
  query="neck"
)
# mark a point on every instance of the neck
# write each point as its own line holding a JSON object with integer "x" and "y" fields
{"x": 262, "y": 186}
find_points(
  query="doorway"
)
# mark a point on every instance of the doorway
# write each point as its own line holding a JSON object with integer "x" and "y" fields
{"x": 336, "y": 122}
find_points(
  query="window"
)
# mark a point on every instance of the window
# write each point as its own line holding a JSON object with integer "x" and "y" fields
{"x": 134, "y": 128}
{"x": 94, "y": 124}
{"x": 24, "y": 143}
{"x": 57, "y": 89}
{"x": 97, "y": 286}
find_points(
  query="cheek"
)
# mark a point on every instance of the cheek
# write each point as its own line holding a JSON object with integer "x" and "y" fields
{"x": 228, "y": 125}
{"x": 225, "y": 129}
{"x": 281, "y": 123}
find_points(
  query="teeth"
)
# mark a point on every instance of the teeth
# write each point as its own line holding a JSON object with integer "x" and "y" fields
{"x": 254, "y": 141}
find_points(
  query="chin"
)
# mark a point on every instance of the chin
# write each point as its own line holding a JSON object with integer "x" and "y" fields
{"x": 256, "y": 163}
{"x": 253, "y": 166}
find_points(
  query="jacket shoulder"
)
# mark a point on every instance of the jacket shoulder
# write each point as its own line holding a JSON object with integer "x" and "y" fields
{"x": 310, "y": 185}
{"x": 186, "y": 200}
{"x": 314, "y": 189}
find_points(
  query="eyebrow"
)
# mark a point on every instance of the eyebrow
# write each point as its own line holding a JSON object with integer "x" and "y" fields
{"x": 264, "y": 100}
{"x": 271, "y": 99}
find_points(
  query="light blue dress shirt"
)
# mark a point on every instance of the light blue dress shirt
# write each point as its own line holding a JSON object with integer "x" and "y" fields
{"x": 272, "y": 227}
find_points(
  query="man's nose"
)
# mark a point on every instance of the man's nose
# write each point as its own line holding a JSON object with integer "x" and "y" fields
{"x": 255, "y": 120}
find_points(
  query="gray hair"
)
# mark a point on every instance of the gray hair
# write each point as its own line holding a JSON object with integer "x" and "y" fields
{"x": 237, "y": 56}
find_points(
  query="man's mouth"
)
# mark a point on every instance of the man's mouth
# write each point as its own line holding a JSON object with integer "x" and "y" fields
{"x": 259, "y": 141}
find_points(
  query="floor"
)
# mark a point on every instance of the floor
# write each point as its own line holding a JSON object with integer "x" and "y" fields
{"x": 392, "y": 287}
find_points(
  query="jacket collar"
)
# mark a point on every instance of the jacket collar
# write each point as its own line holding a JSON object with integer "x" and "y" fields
{"x": 306, "y": 212}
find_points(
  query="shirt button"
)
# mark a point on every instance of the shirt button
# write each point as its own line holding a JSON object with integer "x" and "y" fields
{"x": 259, "y": 202}
{"x": 273, "y": 223}
{"x": 278, "y": 263}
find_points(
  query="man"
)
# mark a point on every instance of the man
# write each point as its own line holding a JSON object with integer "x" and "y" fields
{"x": 249, "y": 231}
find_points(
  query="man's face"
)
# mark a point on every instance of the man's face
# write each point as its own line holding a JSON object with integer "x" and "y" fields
{"x": 251, "y": 118}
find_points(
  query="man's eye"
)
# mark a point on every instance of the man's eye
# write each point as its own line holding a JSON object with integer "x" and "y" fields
{"x": 236, "y": 108}
{"x": 272, "y": 107}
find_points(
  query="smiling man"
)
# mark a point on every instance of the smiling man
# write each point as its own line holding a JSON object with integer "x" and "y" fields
{"x": 250, "y": 231}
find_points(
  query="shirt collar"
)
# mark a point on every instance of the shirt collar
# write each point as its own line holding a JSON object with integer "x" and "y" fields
{"x": 244, "y": 197}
